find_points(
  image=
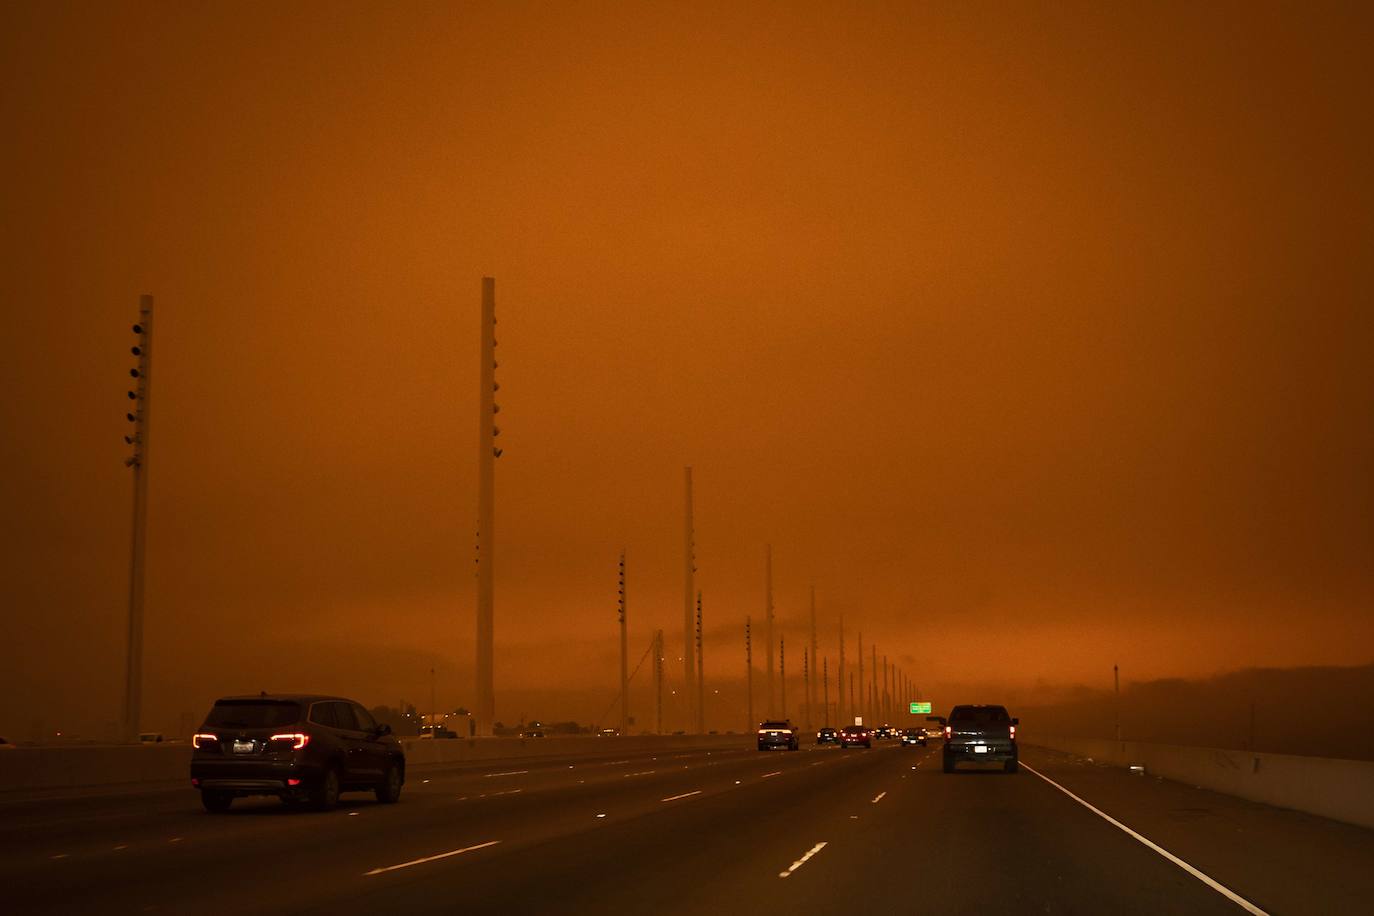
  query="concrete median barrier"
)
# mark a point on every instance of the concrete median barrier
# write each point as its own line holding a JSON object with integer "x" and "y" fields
{"x": 1342, "y": 790}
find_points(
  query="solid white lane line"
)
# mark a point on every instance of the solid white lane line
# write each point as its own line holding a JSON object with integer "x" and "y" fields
{"x": 766, "y": 775}
{"x": 442, "y": 855}
{"x": 506, "y": 792}
{"x": 616, "y": 763}
{"x": 683, "y": 795}
{"x": 879, "y": 797}
{"x": 644, "y": 773}
{"x": 1205, "y": 879}
{"x": 510, "y": 773}
{"x": 802, "y": 861}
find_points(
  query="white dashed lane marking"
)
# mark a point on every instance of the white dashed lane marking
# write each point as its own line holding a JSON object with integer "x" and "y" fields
{"x": 683, "y": 795}
{"x": 802, "y": 861}
{"x": 435, "y": 858}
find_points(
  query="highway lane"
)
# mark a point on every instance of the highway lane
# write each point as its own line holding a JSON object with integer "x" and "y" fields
{"x": 697, "y": 832}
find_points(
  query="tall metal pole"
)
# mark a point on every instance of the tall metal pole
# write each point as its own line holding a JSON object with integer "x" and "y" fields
{"x": 810, "y": 684}
{"x": 839, "y": 681}
{"x": 689, "y": 665}
{"x": 887, "y": 691}
{"x": 806, "y": 687}
{"x": 873, "y": 681}
{"x": 701, "y": 674}
{"x": 863, "y": 700}
{"x": 138, "y": 416}
{"x": 768, "y": 624}
{"x": 825, "y": 690}
{"x": 851, "y": 697}
{"x": 487, "y": 453}
{"x": 749, "y": 671}
{"x": 658, "y": 682}
{"x": 1116, "y": 689}
{"x": 624, "y": 654}
{"x": 782, "y": 673}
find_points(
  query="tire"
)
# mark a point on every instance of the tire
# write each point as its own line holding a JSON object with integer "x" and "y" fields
{"x": 216, "y": 802}
{"x": 948, "y": 764}
{"x": 794, "y": 746}
{"x": 389, "y": 789}
{"x": 324, "y": 795}
{"x": 1012, "y": 765}
{"x": 762, "y": 748}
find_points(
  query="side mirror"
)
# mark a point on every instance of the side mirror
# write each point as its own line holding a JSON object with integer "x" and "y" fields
{"x": 1015, "y": 721}
{"x": 383, "y": 729}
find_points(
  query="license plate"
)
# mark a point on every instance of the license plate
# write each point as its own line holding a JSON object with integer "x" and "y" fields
{"x": 980, "y": 749}
{"x": 243, "y": 747}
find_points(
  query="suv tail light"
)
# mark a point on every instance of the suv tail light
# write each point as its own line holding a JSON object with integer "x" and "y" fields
{"x": 1013, "y": 732}
{"x": 199, "y": 741}
{"x": 948, "y": 732}
{"x": 297, "y": 740}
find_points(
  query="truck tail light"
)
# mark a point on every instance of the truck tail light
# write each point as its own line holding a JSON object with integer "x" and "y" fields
{"x": 948, "y": 732}
{"x": 297, "y": 740}
{"x": 201, "y": 740}
{"x": 1013, "y": 732}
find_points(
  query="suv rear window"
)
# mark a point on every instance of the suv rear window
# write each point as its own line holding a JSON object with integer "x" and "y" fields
{"x": 776, "y": 725}
{"x": 253, "y": 713}
{"x": 978, "y": 715}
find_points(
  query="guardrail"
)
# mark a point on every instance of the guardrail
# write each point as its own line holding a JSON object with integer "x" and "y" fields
{"x": 1342, "y": 790}
{"x": 34, "y": 768}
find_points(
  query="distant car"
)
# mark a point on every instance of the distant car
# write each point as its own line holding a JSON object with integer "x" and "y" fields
{"x": 855, "y": 736}
{"x": 533, "y": 734}
{"x": 884, "y": 732}
{"x": 5, "y": 745}
{"x": 980, "y": 734}
{"x": 912, "y": 737}
{"x": 609, "y": 733}
{"x": 827, "y": 736}
{"x": 778, "y": 734}
{"x": 301, "y": 748}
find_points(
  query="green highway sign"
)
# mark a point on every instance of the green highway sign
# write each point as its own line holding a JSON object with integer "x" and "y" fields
{"x": 920, "y": 708}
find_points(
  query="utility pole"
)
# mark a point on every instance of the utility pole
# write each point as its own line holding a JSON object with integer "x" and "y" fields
{"x": 658, "y": 682}
{"x": 487, "y": 453}
{"x": 825, "y": 690}
{"x": 138, "y": 416}
{"x": 768, "y": 623}
{"x": 1116, "y": 689}
{"x": 782, "y": 673}
{"x": 749, "y": 672}
{"x": 806, "y": 685}
{"x": 873, "y": 681}
{"x": 851, "y": 697}
{"x": 887, "y": 691}
{"x": 859, "y": 710}
{"x": 624, "y": 654}
{"x": 839, "y": 679}
{"x": 433, "y": 703}
{"x": 810, "y": 685}
{"x": 701, "y": 675}
{"x": 689, "y": 664}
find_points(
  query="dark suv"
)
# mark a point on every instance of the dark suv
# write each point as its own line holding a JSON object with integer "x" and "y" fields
{"x": 300, "y": 748}
{"x": 778, "y": 734}
{"x": 981, "y": 734}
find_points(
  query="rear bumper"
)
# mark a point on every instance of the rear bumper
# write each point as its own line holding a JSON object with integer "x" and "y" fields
{"x": 252, "y": 776}
{"x": 776, "y": 742}
{"x": 999, "y": 751}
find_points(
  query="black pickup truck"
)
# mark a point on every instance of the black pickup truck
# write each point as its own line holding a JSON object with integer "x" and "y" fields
{"x": 980, "y": 734}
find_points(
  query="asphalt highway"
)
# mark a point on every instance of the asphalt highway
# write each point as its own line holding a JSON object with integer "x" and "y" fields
{"x": 695, "y": 832}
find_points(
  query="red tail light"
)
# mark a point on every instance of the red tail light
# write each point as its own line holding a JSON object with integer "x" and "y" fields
{"x": 297, "y": 740}
{"x": 948, "y": 732}
{"x": 293, "y": 781}
{"x": 1013, "y": 732}
{"x": 202, "y": 740}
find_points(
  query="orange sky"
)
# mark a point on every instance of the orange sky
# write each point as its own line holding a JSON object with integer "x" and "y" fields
{"x": 1046, "y": 326}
